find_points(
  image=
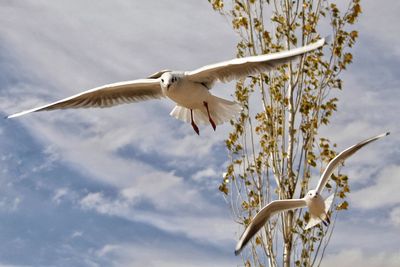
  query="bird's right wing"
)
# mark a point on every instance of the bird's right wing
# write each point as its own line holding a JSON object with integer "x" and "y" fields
{"x": 106, "y": 96}
{"x": 336, "y": 161}
{"x": 262, "y": 217}
{"x": 241, "y": 67}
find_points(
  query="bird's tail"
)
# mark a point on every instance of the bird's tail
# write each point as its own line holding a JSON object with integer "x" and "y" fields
{"x": 314, "y": 220}
{"x": 221, "y": 111}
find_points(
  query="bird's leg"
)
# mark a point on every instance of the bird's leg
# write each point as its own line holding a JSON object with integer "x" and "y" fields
{"x": 327, "y": 218}
{"x": 209, "y": 117}
{"x": 326, "y": 221}
{"x": 195, "y": 128}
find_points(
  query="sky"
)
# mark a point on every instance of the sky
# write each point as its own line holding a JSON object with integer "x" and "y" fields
{"x": 132, "y": 186}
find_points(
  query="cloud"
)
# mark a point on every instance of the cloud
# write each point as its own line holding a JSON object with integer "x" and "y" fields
{"x": 12, "y": 265}
{"x": 190, "y": 215}
{"x": 10, "y": 204}
{"x": 382, "y": 193}
{"x": 204, "y": 174}
{"x": 395, "y": 217}
{"x": 77, "y": 234}
{"x": 357, "y": 257}
{"x": 379, "y": 23}
{"x": 59, "y": 194}
{"x": 174, "y": 255}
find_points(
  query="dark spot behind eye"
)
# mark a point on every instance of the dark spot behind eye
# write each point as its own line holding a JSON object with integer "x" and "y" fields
{"x": 162, "y": 80}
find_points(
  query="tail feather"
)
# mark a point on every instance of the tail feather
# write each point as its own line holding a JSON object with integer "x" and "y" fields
{"x": 328, "y": 203}
{"x": 181, "y": 113}
{"x": 221, "y": 111}
{"x": 312, "y": 222}
{"x": 200, "y": 117}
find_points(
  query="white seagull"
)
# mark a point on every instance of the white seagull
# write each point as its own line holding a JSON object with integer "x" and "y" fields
{"x": 188, "y": 89}
{"x": 316, "y": 205}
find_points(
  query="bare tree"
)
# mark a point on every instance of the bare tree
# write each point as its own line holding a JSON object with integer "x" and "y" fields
{"x": 273, "y": 147}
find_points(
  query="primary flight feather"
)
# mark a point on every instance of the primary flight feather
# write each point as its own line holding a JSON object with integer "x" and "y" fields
{"x": 188, "y": 89}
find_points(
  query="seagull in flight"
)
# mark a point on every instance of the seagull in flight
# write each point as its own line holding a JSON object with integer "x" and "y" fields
{"x": 317, "y": 206}
{"x": 188, "y": 89}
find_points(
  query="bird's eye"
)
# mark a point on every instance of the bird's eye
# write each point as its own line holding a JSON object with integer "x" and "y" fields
{"x": 162, "y": 80}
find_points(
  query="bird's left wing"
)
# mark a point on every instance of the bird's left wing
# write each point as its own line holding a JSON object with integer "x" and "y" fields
{"x": 241, "y": 67}
{"x": 106, "y": 96}
{"x": 262, "y": 217}
{"x": 336, "y": 161}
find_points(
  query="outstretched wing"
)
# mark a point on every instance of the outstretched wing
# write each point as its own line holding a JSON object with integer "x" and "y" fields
{"x": 242, "y": 67}
{"x": 106, "y": 96}
{"x": 336, "y": 161}
{"x": 262, "y": 217}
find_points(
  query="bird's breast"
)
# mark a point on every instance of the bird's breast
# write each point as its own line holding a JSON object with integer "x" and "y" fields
{"x": 188, "y": 94}
{"x": 316, "y": 206}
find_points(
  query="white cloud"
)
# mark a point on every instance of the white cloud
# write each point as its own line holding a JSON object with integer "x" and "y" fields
{"x": 152, "y": 255}
{"x": 205, "y": 174}
{"x": 382, "y": 193}
{"x": 12, "y": 265}
{"x": 77, "y": 234}
{"x": 192, "y": 217}
{"x": 368, "y": 230}
{"x": 98, "y": 202}
{"x": 379, "y": 21}
{"x": 59, "y": 194}
{"x": 357, "y": 257}
{"x": 165, "y": 191}
{"x": 10, "y": 203}
{"x": 395, "y": 216}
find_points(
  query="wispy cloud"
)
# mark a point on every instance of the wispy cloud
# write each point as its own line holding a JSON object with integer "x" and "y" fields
{"x": 382, "y": 193}
{"x": 357, "y": 257}
{"x": 191, "y": 216}
{"x": 173, "y": 255}
{"x": 395, "y": 217}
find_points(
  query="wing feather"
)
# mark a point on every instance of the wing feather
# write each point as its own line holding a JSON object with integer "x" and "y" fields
{"x": 336, "y": 161}
{"x": 241, "y": 67}
{"x": 262, "y": 217}
{"x": 106, "y": 96}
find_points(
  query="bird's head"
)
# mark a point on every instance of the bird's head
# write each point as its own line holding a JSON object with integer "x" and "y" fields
{"x": 167, "y": 80}
{"x": 312, "y": 194}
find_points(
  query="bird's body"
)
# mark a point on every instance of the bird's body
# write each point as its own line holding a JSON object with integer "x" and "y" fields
{"x": 195, "y": 103}
{"x": 190, "y": 90}
{"x": 184, "y": 92}
{"x": 315, "y": 203}
{"x": 317, "y": 206}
